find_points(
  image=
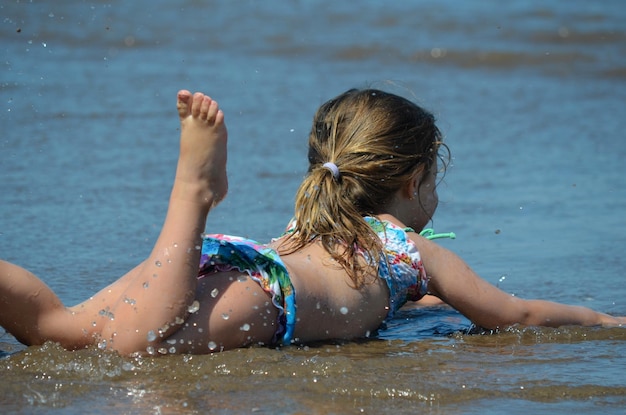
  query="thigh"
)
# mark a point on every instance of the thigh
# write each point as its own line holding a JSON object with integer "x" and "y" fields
{"x": 93, "y": 313}
{"x": 232, "y": 311}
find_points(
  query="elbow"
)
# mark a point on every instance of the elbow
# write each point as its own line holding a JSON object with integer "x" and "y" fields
{"x": 517, "y": 311}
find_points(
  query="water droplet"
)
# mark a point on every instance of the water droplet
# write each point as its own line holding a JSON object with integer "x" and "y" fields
{"x": 343, "y": 310}
{"x": 157, "y": 263}
{"x": 175, "y": 245}
{"x": 179, "y": 321}
{"x": 245, "y": 327}
{"x": 172, "y": 350}
{"x": 225, "y": 316}
{"x": 150, "y": 350}
{"x": 194, "y": 307}
{"x": 107, "y": 313}
{"x": 146, "y": 284}
{"x": 242, "y": 278}
{"x": 162, "y": 350}
{"x": 102, "y": 344}
{"x": 367, "y": 333}
{"x": 93, "y": 324}
{"x": 212, "y": 346}
{"x": 171, "y": 341}
{"x": 151, "y": 336}
{"x": 163, "y": 329}
{"x": 215, "y": 292}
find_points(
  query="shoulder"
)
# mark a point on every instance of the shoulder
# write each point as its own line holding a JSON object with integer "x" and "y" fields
{"x": 388, "y": 229}
{"x": 398, "y": 245}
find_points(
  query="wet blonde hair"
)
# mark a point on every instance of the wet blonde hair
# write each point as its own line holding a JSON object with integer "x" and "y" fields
{"x": 378, "y": 141}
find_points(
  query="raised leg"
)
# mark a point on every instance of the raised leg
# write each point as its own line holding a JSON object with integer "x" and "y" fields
{"x": 157, "y": 297}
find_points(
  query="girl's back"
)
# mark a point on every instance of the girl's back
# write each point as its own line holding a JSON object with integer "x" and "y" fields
{"x": 329, "y": 307}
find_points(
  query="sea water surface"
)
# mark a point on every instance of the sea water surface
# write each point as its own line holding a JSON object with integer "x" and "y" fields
{"x": 531, "y": 97}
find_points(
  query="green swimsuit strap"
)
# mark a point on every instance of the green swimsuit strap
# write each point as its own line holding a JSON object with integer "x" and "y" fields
{"x": 429, "y": 233}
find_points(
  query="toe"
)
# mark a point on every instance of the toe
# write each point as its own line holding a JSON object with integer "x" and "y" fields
{"x": 198, "y": 97}
{"x": 183, "y": 103}
{"x": 204, "y": 109}
{"x": 212, "y": 112}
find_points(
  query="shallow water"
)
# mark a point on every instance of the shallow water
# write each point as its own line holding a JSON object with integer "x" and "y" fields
{"x": 531, "y": 98}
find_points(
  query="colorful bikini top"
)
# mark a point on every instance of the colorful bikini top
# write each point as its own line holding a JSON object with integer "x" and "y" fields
{"x": 401, "y": 267}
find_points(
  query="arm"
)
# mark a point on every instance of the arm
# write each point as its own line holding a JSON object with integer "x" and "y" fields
{"x": 457, "y": 284}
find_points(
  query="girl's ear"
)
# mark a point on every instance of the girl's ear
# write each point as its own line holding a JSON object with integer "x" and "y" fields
{"x": 410, "y": 188}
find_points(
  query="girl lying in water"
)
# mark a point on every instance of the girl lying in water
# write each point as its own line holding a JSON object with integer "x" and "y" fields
{"x": 351, "y": 256}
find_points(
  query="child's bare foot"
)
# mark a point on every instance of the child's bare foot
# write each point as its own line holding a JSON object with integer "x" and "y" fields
{"x": 201, "y": 171}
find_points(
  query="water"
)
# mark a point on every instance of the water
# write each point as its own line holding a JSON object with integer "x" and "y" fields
{"x": 531, "y": 98}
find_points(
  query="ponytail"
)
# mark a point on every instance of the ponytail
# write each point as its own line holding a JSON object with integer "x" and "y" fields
{"x": 324, "y": 213}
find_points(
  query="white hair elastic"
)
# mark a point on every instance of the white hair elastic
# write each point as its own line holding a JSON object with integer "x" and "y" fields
{"x": 333, "y": 169}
